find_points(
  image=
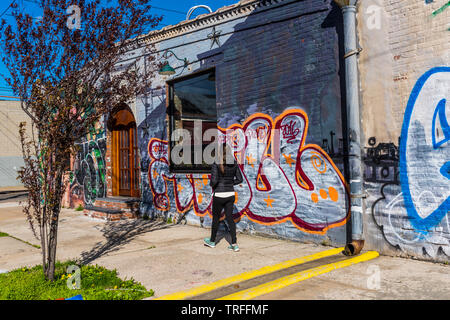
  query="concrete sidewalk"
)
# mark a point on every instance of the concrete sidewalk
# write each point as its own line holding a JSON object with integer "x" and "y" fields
{"x": 12, "y": 189}
{"x": 170, "y": 258}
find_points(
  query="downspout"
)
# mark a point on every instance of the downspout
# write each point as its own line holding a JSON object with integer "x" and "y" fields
{"x": 353, "y": 125}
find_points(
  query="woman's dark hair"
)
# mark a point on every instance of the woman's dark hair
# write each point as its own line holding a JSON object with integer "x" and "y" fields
{"x": 225, "y": 156}
{"x": 222, "y": 156}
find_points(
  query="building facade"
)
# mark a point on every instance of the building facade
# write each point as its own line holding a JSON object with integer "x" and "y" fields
{"x": 405, "y": 86}
{"x": 270, "y": 76}
{"x": 11, "y": 159}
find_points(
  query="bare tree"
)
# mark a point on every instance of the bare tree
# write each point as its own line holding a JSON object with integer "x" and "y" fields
{"x": 68, "y": 75}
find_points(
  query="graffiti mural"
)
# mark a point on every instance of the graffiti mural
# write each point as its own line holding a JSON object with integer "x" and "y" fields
{"x": 425, "y": 144}
{"x": 284, "y": 178}
{"x": 89, "y": 171}
{"x": 381, "y": 162}
{"x": 439, "y": 10}
{"x": 414, "y": 214}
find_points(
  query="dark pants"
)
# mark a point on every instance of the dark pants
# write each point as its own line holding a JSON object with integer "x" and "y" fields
{"x": 217, "y": 206}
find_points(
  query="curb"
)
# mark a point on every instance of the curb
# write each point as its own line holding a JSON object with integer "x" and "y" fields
{"x": 297, "y": 277}
{"x": 247, "y": 275}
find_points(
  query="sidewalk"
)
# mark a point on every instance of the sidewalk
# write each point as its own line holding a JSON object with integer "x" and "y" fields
{"x": 12, "y": 189}
{"x": 170, "y": 258}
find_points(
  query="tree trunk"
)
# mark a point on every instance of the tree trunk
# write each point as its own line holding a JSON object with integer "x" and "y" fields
{"x": 54, "y": 219}
{"x": 51, "y": 256}
{"x": 44, "y": 246}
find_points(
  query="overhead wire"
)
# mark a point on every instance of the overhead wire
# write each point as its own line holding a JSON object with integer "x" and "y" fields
{"x": 9, "y": 6}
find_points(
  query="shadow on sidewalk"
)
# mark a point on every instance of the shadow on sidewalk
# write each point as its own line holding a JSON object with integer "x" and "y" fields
{"x": 119, "y": 233}
{"x": 17, "y": 195}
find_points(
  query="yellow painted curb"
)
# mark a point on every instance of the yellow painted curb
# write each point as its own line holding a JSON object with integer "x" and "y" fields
{"x": 248, "y": 275}
{"x": 297, "y": 277}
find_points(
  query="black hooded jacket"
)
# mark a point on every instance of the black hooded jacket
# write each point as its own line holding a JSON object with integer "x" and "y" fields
{"x": 225, "y": 182}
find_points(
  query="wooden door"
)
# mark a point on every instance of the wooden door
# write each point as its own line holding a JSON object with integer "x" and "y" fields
{"x": 126, "y": 162}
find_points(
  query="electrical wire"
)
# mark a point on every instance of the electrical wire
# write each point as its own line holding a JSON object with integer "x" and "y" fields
{"x": 159, "y": 8}
{"x": 12, "y": 2}
{"x": 169, "y": 10}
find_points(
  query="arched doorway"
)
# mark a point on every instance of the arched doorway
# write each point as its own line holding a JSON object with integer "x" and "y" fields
{"x": 125, "y": 153}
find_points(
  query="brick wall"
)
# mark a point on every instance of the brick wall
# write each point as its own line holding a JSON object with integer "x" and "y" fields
{"x": 11, "y": 114}
{"x": 403, "y": 81}
{"x": 282, "y": 63}
{"x": 108, "y": 160}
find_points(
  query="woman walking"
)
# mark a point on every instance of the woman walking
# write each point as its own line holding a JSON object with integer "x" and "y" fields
{"x": 225, "y": 174}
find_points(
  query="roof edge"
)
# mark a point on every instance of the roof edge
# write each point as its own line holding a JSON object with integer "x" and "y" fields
{"x": 223, "y": 14}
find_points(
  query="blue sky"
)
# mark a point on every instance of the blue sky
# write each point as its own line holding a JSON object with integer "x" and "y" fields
{"x": 173, "y": 11}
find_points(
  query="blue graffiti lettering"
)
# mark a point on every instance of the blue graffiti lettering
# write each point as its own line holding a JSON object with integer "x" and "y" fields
{"x": 421, "y": 166}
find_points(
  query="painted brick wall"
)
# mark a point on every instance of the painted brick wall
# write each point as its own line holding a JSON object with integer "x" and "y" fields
{"x": 90, "y": 177}
{"x": 405, "y": 83}
{"x": 277, "y": 66}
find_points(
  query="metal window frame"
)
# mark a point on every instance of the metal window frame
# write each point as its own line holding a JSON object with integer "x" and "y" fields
{"x": 171, "y": 121}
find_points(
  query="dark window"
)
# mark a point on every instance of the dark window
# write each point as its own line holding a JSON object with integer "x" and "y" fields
{"x": 192, "y": 107}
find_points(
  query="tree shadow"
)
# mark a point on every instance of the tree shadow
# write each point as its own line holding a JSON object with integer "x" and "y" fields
{"x": 18, "y": 195}
{"x": 118, "y": 234}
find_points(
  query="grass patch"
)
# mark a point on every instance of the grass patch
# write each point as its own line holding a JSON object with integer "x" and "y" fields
{"x": 2, "y": 234}
{"x": 79, "y": 208}
{"x": 97, "y": 283}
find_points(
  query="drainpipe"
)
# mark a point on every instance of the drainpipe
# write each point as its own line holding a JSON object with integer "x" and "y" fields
{"x": 353, "y": 124}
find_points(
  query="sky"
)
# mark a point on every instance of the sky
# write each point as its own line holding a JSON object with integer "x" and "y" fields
{"x": 173, "y": 12}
